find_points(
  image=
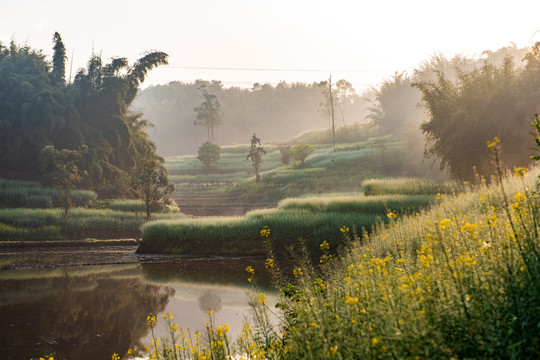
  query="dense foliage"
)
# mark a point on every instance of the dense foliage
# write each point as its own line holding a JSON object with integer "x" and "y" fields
{"x": 481, "y": 104}
{"x": 466, "y": 101}
{"x": 38, "y": 109}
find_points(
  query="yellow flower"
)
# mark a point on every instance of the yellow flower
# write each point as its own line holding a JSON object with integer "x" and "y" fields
{"x": 151, "y": 320}
{"x": 325, "y": 245}
{"x": 269, "y": 263}
{"x": 520, "y": 171}
{"x": 391, "y": 214}
{"x": 262, "y": 299}
{"x": 375, "y": 341}
{"x": 344, "y": 229}
{"x": 250, "y": 270}
{"x": 265, "y": 232}
{"x": 494, "y": 143}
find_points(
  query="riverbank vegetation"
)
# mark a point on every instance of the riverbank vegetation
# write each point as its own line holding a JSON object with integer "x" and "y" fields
{"x": 49, "y": 224}
{"x": 315, "y": 219}
{"x": 459, "y": 280}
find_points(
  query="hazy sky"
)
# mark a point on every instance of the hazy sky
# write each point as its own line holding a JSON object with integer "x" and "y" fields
{"x": 370, "y": 39}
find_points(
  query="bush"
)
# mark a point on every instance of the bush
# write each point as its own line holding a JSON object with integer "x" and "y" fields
{"x": 300, "y": 152}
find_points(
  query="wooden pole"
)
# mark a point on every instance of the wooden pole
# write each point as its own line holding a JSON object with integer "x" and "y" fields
{"x": 332, "y": 109}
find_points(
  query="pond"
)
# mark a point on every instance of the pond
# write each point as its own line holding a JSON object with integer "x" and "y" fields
{"x": 87, "y": 303}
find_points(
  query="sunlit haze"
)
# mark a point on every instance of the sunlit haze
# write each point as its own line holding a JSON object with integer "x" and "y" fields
{"x": 245, "y": 41}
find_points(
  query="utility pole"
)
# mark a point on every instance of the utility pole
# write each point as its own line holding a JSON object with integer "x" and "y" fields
{"x": 332, "y": 109}
{"x": 71, "y": 66}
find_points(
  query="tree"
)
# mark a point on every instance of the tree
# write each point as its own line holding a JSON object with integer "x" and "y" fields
{"x": 395, "y": 104}
{"x": 285, "y": 152}
{"x": 208, "y": 154}
{"x": 344, "y": 96}
{"x": 38, "y": 109}
{"x": 300, "y": 152}
{"x": 486, "y": 102}
{"x": 151, "y": 184}
{"x": 58, "y": 74}
{"x": 255, "y": 154}
{"x": 117, "y": 140}
{"x": 60, "y": 167}
{"x": 209, "y": 114}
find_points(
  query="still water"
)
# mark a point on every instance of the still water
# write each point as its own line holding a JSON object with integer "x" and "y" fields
{"x": 87, "y": 303}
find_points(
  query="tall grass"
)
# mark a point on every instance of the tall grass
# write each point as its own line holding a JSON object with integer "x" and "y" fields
{"x": 459, "y": 281}
{"x": 136, "y": 206}
{"x": 48, "y": 224}
{"x": 408, "y": 186}
{"x": 345, "y": 134}
{"x": 315, "y": 219}
{"x": 31, "y": 194}
{"x": 359, "y": 203}
{"x": 240, "y": 235}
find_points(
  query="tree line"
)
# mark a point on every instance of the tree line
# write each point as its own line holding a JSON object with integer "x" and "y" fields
{"x": 278, "y": 112}
{"x": 39, "y": 109}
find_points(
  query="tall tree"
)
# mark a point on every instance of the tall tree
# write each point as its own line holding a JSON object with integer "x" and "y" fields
{"x": 60, "y": 167}
{"x": 395, "y": 104}
{"x": 118, "y": 140}
{"x": 344, "y": 96}
{"x": 151, "y": 184}
{"x": 486, "y": 102}
{"x": 255, "y": 154}
{"x": 58, "y": 74}
{"x": 209, "y": 114}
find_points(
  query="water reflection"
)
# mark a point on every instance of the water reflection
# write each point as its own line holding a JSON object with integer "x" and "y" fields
{"x": 76, "y": 317}
{"x": 90, "y": 311}
{"x": 210, "y": 301}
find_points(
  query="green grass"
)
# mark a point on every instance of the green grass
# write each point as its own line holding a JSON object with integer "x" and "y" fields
{"x": 359, "y": 203}
{"x": 31, "y": 194}
{"x": 233, "y": 161}
{"x": 241, "y": 235}
{"x": 345, "y": 134}
{"x": 408, "y": 186}
{"x": 134, "y": 205}
{"x": 327, "y": 169}
{"x": 48, "y": 224}
{"x": 316, "y": 219}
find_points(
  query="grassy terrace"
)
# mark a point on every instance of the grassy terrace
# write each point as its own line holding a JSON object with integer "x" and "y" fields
{"x": 48, "y": 224}
{"x": 326, "y": 170}
{"x": 315, "y": 219}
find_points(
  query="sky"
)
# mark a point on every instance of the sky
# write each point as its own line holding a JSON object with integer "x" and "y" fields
{"x": 240, "y": 42}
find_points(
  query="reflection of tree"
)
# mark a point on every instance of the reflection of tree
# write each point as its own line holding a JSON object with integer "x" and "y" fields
{"x": 210, "y": 300}
{"x": 75, "y": 324}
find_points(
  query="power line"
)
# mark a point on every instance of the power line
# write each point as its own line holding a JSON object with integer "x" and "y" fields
{"x": 272, "y": 69}
{"x": 253, "y": 82}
